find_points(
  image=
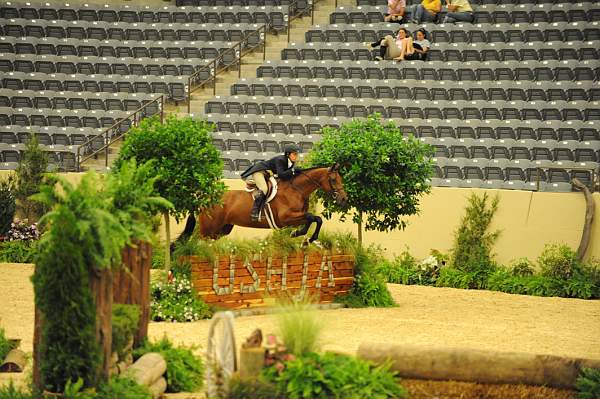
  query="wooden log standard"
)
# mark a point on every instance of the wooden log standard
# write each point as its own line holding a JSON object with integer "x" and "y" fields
{"x": 148, "y": 369}
{"x": 471, "y": 365}
{"x": 15, "y": 362}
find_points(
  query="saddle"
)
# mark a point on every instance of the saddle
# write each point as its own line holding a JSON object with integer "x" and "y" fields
{"x": 271, "y": 184}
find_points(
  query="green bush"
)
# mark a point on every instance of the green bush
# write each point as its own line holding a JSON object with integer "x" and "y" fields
{"x": 125, "y": 321}
{"x": 122, "y": 388}
{"x": 176, "y": 301}
{"x": 558, "y": 261}
{"x": 18, "y": 251}
{"x": 588, "y": 384}
{"x": 76, "y": 390}
{"x": 29, "y": 177}
{"x": 11, "y": 392}
{"x": 185, "y": 371}
{"x": 522, "y": 267}
{"x": 253, "y": 389}
{"x": 472, "y": 241}
{"x": 8, "y": 205}
{"x": 456, "y": 278}
{"x": 5, "y": 345}
{"x": 334, "y": 376}
{"x": 299, "y": 327}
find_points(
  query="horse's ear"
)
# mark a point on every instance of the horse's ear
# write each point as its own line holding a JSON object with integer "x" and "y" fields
{"x": 335, "y": 167}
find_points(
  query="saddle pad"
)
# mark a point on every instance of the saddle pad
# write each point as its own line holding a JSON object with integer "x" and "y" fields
{"x": 251, "y": 187}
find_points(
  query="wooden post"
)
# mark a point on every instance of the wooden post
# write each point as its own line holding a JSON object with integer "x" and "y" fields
{"x": 168, "y": 242}
{"x": 590, "y": 209}
{"x": 102, "y": 289}
{"x": 37, "y": 341}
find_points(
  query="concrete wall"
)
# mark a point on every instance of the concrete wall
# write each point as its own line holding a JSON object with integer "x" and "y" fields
{"x": 527, "y": 220}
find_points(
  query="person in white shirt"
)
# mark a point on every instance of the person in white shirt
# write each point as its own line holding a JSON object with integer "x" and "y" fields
{"x": 458, "y": 10}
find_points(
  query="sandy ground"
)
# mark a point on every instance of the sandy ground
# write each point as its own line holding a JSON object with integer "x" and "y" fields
{"x": 425, "y": 315}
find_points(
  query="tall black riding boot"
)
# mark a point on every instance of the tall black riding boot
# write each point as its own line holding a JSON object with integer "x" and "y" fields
{"x": 259, "y": 201}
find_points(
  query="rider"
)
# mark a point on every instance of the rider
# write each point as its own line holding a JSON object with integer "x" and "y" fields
{"x": 281, "y": 165}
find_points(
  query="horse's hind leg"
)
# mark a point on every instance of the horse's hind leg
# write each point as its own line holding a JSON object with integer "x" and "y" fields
{"x": 225, "y": 230}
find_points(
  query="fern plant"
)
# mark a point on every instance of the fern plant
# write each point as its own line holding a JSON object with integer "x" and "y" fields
{"x": 588, "y": 384}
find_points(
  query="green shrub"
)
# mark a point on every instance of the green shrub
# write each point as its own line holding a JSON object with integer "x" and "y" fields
{"x": 18, "y": 251}
{"x": 253, "y": 389}
{"x": 5, "y": 345}
{"x": 29, "y": 178}
{"x": 588, "y": 384}
{"x": 455, "y": 278}
{"x": 299, "y": 327}
{"x": 472, "y": 241}
{"x": 8, "y": 205}
{"x": 185, "y": 371}
{"x": 176, "y": 301}
{"x": 123, "y": 388}
{"x": 125, "y": 321}
{"x": 334, "y": 376}
{"x": 11, "y": 392}
{"x": 76, "y": 390}
{"x": 558, "y": 261}
{"x": 522, "y": 267}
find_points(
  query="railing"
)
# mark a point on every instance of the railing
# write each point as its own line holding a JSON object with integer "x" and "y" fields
{"x": 221, "y": 63}
{"x": 593, "y": 171}
{"x": 116, "y": 131}
{"x": 295, "y": 12}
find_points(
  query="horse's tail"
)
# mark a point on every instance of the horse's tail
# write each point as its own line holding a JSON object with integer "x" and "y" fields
{"x": 190, "y": 225}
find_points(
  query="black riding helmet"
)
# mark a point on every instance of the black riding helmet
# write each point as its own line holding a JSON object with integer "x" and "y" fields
{"x": 289, "y": 148}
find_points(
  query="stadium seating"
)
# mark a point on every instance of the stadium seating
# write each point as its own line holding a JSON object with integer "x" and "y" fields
{"x": 510, "y": 101}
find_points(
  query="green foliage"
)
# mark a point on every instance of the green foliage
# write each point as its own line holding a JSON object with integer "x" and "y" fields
{"x": 588, "y": 384}
{"x": 472, "y": 241}
{"x": 122, "y": 388}
{"x": 187, "y": 165}
{"x": 29, "y": 178}
{"x": 456, "y": 278}
{"x": 299, "y": 326}
{"x": 253, "y": 389}
{"x": 185, "y": 371}
{"x": 384, "y": 173}
{"x": 5, "y": 345}
{"x": 334, "y": 376}
{"x": 76, "y": 390}
{"x": 558, "y": 261}
{"x": 11, "y": 392}
{"x": 8, "y": 205}
{"x": 522, "y": 267}
{"x": 176, "y": 301}
{"x": 405, "y": 269}
{"x": 18, "y": 251}
{"x": 125, "y": 321}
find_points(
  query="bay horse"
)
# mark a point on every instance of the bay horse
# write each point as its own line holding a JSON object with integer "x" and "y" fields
{"x": 289, "y": 207}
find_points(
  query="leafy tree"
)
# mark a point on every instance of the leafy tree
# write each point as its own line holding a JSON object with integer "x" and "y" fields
{"x": 472, "y": 250}
{"x": 30, "y": 174}
{"x": 385, "y": 174}
{"x": 8, "y": 205}
{"x": 187, "y": 165}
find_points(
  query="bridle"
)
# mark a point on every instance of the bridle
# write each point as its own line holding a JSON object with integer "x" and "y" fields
{"x": 331, "y": 180}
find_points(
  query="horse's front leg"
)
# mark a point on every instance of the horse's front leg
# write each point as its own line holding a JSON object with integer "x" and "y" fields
{"x": 304, "y": 229}
{"x": 315, "y": 235}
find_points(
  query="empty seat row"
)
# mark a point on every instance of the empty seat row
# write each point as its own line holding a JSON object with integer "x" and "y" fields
{"x": 62, "y": 161}
{"x": 298, "y": 5}
{"x": 91, "y": 65}
{"x": 59, "y": 117}
{"x": 419, "y": 90}
{"x": 47, "y": 135}
{"x": 137, "y": 31}
{"x": 170, "y": 86}
{"x": 112, "y": 48}
{"x": 74, "y": 100}
{"x": 437, "y": 52}
{"x": 517, "y": 14}
{"x": 477, "y": 3}
{"x": 199, "y": 15}
{"x": 434, "y": 71}
{"x": 461, "y": 33}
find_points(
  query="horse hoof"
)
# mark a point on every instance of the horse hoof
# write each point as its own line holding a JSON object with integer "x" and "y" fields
{"x": 305, "y": 243}
{"x": 317, "y": 244}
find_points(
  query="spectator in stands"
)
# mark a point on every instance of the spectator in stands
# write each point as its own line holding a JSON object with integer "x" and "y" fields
{"x": 421, "y": 46}
{"x": 427, "y": 11}
{"x": 396, "y": 9}
{"x": 394, "y": 47}
{"x": 458, "y": 10}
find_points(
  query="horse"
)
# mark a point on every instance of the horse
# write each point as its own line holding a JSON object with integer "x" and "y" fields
{"x": 289, "y": 207}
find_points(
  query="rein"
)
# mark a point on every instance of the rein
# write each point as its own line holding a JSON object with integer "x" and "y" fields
{"x": 317, "y": 183}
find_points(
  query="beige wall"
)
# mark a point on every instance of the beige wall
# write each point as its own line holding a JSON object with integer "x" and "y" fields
{"x": 527, "y": 221}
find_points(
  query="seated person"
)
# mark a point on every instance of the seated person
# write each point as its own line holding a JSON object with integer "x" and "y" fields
{"x": 427, "y": 11}
{"x": 458, "y": 10}
{"x": 394, "y": 47}
{"x": 396, "y": 9}
{"x": 421, "y": 46}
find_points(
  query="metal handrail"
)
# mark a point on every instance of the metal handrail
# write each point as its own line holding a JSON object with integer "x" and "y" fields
{"x": 593, "y": 171}
{"x": 111, "y": 138}
{"x": 215, "y": 66}
{"x": 291, "y": 17}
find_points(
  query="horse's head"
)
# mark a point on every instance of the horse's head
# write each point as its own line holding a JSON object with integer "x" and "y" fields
{"x": 336, "y": 186}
